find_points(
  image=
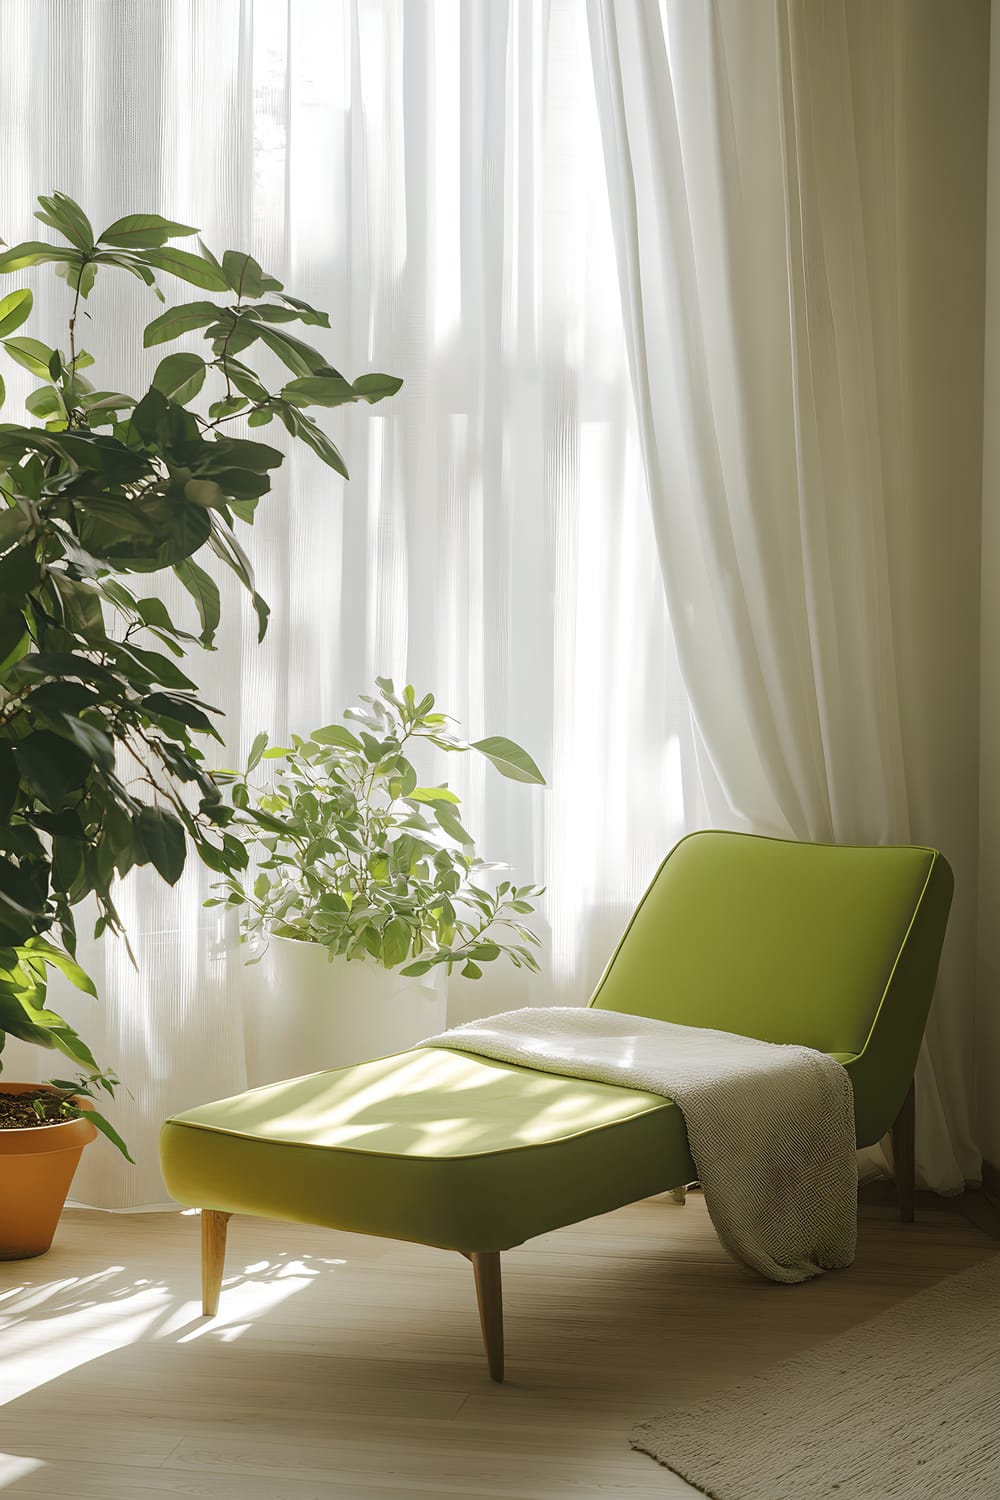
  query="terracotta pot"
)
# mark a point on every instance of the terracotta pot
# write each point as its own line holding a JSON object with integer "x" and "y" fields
{"x": 36, "y": 1169}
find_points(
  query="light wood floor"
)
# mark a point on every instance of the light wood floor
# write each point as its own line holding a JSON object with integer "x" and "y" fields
{"x": 344, "y": 1367}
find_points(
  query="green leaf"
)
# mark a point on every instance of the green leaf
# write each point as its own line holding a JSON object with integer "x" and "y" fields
{"x": 14, "y": 639}
{"x": 44, "y": 665}
{"x": 395, "y": 942}
{"x": 9, "y": 781}
{"x": 408, "y": 777}
{"x": 106, "y": 401}
{"x": 61, "y": 961}
{"x": 72, "y": 1046}
{"x": 28, "y": 1026}
{"x": 319, "y": 390}
{"x": 225, "y": 546}
{"x": 31, "y": 476}
{"x": 141, "y": 231}
{"x": 180, "y": 377}
{"x": 256, "y": 750}
{"x": 448, "y": 820}
{"x": 163, "y": 842}
{"x": 471, "y": 971}
{"x": 35, "y": 253}
{"x": 178, "y": 320}
{"x": 154, "y": 612}
{"x": 376, "y": 387}
{"x": 228, "y": 407}
{"x": 510, "y": 760}
{"x": 14, "y": 309}
{"x": 61, "y": 213}
{"x": 205, "y": 593}
{"x": 207, "y": 254}
{"x": 245, "y": 276}
{"x": 165, "y": 425}
{"x": 262, "y": 610}
{"x": 81, "y": 607}
{"x": 244, "y": 379}
{"x": 315, "y": 438}
{"x": 336, "y": 734}
{"x": 46, "y": 402}
{"x": 231, "y": 334}
{"x": 246, "y": 454}
{"x": 115, "y": 529}
{"x": 129, "y": 263}
{"x": 19, "y": 892}
{"x": 153, "y": 665}
{"x": 92, "y": 740}
{"x": 32, "y": 354}
{"x": 432, "y": 794}
{"x": 106, "y": 1128}
{"x": 182, "y": 710}
{"x": 265, "y": 820}
{"x": 268, "y": 312}
{"x": 191, "y": 268}
{"x": 52, "y": 766}
{"x": 82, "y": 274}
{"x": 60, "y": 696}
{"x": 96, "y": 454}
{"x": 305, "y": 312}
{"x": 205, "y": 492}
{"x": 14, "y": 522}
{"x": 242, "y": 484}
{"x": 20, "y": 570}
{"x": 297, "y": 356}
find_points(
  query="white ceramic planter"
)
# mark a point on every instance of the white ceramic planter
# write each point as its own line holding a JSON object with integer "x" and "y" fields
{"x": 305, "y": 1012}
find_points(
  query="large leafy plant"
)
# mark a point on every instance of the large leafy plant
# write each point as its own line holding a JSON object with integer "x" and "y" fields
{"x": 351, "y": 852}
{"x": 101, "y": 761}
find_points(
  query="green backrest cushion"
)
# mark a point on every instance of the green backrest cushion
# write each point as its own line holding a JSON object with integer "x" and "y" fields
{"x": 782, "y": 941}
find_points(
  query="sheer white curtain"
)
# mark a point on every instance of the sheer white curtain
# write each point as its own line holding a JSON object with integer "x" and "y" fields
{"x": 795, "y": 245}
{"x": 431, "y": 174}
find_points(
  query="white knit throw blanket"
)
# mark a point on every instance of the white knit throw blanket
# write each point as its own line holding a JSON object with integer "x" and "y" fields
{"x": 771, "y": 1128}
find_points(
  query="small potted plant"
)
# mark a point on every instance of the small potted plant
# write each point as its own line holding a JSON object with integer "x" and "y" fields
{"x": 364, "y": 887}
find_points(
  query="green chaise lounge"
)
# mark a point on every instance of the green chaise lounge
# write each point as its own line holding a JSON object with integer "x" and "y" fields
{"x": 831, "y": 947}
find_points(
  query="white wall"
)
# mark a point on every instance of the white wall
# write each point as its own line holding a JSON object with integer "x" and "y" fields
{"x": 988, "y": 1002}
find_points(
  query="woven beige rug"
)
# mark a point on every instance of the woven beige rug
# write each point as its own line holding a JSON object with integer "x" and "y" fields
{"x": 904, "y": 1407}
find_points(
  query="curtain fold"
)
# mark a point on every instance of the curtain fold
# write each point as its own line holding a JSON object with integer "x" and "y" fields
{"x": 765, "y": 175}
{"x": 426, "y": 173}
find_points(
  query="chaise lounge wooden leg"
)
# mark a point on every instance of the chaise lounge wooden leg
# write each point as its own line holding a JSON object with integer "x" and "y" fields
{"x": 486, "y": 1266}
{"x": 904, "y": 1156}
{"x": 213, "y": 1258}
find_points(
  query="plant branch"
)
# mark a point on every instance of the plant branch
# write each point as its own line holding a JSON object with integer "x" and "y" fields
{"x": 73, "y": 316}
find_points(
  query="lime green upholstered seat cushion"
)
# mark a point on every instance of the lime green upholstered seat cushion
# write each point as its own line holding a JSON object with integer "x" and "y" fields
{"x": 430, "y": 1145}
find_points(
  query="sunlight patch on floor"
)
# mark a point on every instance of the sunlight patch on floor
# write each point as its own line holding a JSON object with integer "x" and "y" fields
{"x": 14, "y": 1467}
{"x": 53, "y": 1340}
{"x": 248, "y": 1296}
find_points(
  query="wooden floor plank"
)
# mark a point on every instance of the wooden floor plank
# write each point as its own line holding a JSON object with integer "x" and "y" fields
{"x": 341, "y": 1366}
